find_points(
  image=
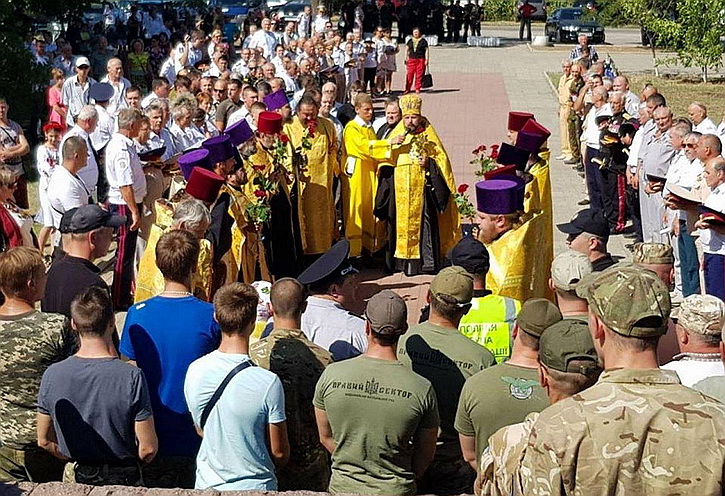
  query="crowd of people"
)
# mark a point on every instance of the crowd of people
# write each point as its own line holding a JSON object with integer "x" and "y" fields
{"x": 242, "y": 210}
{"x": 643, "y": 163}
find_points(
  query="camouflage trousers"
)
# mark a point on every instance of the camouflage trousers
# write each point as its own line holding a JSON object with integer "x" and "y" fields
{"x": 449, "y": 477}
{"x": 30, "y": 465}
{"x": 575, "y": 132}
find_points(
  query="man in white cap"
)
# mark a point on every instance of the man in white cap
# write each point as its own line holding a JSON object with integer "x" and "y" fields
{"x": 75, "y": 90}
{"x": 699, "y": 323}
{"x": 567, "y": 269}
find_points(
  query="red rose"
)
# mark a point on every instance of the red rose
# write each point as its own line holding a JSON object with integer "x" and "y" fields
{"x": 474, "y": 152}
{"x": 283, "y": 138}
{"x": 462, "y": 188}
{"x": 258, "y": 167}
{"x": 494, "y": 147}
{"x": 260, "y": 193}
{"x": 494, "y": 154}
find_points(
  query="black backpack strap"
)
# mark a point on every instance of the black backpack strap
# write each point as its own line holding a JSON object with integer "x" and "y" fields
{"x": 219, "y": 390}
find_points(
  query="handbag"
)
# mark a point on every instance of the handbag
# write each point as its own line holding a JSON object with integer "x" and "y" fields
{"x": 427, "y": 80}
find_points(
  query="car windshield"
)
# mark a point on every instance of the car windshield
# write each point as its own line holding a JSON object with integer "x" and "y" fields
{"x": 571, "y": 14}
{"x": 237, "y": 3}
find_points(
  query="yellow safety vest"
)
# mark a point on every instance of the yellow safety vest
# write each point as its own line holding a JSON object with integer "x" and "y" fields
{"x": 489, "y": 323}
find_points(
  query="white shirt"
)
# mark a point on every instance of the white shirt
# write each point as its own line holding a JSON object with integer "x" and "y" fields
{"x": 123, "y": 168}
{"x": 303, "y": 24}
{"x": 684, "y": 172}
{"x": 714, "y": 242}
{"x": 65, "y": 191}
{"x": 75, "y": 97}
{"x": 592, "y": 133}
{"x": 328, "y": 325}
{"x": 146, "y": 101}
{"x": 240, "y": 67}
{"x": 706, "y": 127}
{"x": 118, "y": 100}
{"x": 631, "y": 103}
{"x": 318, "y": 26}
{"x": 164, "y": 139}
{"x": 168, "y": 70}
{"x": 265, "y": 39}
{"x": 104, "y": 129}
{"x": 691, "y": 370}
{"x": 195, "y": 56}
{"x": 238, "y": 115}
{"x": 89, "y": 173}
{"x": 185, "y": 138}
{"x": 632, "y": 160}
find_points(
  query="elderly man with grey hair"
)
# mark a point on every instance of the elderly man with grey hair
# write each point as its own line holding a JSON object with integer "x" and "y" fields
{"x": 183, "y": 134}
{"x": 697, "y": 112}
{"x": 127, "y": 189}
{"x": 190, "y": 215}
{"x": 85, "y": 124}
{"x": 158, "y": 113}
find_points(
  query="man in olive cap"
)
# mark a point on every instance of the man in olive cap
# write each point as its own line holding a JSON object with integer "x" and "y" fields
{"x": 437, "y": 351}
{"x": 567, "y": 269}
{"x": 377, "y": 418}
{"x": 699, "y": 323}
{"x": 638, "y": 430}
{"x": 505, "y": 394}
{"x": 568, "y": 364}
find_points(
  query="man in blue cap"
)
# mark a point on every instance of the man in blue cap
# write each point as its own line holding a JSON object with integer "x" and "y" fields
{"x": 588, "y": 232}
{"x": 328, "y": 322}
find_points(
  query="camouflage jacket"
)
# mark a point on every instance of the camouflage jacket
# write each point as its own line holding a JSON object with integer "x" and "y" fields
{"x": 637, "y": 431}
{"x": 29, "y": 344}
{"x": 500, "y": 461}
{"x": 298, "y": 363}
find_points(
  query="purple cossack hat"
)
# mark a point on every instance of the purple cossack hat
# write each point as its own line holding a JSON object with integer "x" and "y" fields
{"x": 194, "y": 158}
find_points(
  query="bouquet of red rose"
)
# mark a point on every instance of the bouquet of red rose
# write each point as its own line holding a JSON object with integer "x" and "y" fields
{"x": 485, "y": 159}
{"x": 463, "y": 202}
{"x": 267, "y": 185}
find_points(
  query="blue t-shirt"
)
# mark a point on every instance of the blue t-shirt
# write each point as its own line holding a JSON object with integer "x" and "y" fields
{"x": 234, "y": 455}
{"x": 163, "y": 336}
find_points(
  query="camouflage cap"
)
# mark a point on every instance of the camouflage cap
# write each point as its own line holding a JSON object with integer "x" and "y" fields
{"x": 568, "y": 268}
{"x": 454, "y": 285}
{"x": 702, "y": 314}
{"x": 625, "y": 294}
{"x": 536, "y": 315}
{"x": 567, "y": 342}
{"x": 652, "y": 253}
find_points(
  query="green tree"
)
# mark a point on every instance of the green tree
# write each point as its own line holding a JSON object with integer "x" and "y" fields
{"x": 656, "y": 20}
{"x": 700, "y": 26}
{"x": 21, "y": 81}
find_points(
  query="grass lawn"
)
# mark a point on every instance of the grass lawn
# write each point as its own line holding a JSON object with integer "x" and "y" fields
{"x": 679, "y": 93}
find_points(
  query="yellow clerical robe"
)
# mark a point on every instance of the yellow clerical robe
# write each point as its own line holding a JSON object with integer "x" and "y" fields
{"x": 150, "y": 281}
{"x": 518, "y": 255}
{"x": 362, "y": 152}
{"x": 316, "y": 205}
{"x": 409, "y": 179}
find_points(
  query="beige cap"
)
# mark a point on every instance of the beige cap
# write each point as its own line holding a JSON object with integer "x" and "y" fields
{"x": 702, "y": 314}
{"x": 568, "y": 268}
{"x": 652, "y": 253}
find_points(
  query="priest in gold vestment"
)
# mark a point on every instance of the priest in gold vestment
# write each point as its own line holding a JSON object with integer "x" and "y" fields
{"x": 415, "y": 195}
{"x": 314, "y": 145}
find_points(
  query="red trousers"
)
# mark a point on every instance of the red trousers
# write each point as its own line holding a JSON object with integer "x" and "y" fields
{"x": 416, "y": 67}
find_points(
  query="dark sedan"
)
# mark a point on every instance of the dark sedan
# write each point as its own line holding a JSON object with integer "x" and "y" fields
{"x": 566, "y": 24}
{"x": 290, "y": 11}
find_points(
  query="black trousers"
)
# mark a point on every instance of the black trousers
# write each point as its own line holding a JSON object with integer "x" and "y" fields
{"x": 525, "y": 23}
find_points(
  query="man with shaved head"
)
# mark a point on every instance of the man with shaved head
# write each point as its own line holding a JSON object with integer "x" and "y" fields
{"x": 697, "y": 112}
{"x": 114, "y": 77}
{"x": 298, "y": 363}
{"x": 631, "y": 101}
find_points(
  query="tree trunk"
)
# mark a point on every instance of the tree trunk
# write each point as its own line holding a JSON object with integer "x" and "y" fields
{"x": 653, "y": 50}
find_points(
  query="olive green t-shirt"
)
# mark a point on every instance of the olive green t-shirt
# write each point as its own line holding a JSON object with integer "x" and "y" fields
{"x": 375, "y": 408}
{"x": 446, "y": 358}
{"x": 500, "y": 396}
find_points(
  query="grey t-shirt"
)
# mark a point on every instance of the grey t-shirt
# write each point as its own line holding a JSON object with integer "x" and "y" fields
{"x": 94, "y": 403}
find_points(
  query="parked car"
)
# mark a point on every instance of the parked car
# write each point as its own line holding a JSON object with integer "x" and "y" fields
{"x": 566, "y": 24}
{"x": 290, "y": 11}
{"x": 242, "y": 12}
{"x": 540, "y": 12}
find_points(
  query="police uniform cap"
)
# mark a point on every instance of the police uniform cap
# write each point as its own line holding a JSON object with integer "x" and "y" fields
{"x": 332, "y": 264}
{"x": 100, "y": 92}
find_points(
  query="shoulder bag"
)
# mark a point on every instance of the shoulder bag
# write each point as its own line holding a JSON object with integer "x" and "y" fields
{"x": 219, "y": 390}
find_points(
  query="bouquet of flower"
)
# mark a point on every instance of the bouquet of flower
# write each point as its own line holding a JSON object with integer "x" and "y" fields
{"x": 463, "y": 202}
{"x": 484, "y": 159}
{"x": 421, "y": 147}
{"x": 267, "y": 185}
